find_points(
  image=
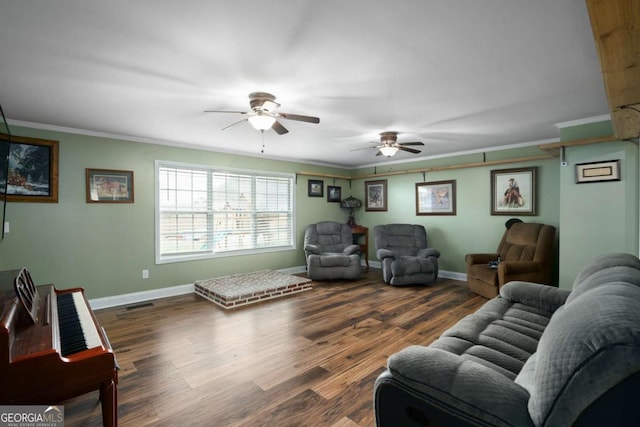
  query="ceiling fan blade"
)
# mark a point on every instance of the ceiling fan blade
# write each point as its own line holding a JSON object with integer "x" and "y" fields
{"x": 363, "y": 148}
{"x": 411, "y": 143}
{"x": 298, "y": 117}
{"x": 277, "y": 126}
{"x": 410, "y": 150}
{"x": 234, "y": 123}
{"x": 224, "y": 111}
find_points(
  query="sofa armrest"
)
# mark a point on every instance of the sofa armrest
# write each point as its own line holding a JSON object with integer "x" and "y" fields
{"x": 460, "y": 386}
{"x": 537, "y": 295}
{"x": 472, "y": 259}
{"x": 351, "y": 249}
{"x": 384, "y": 253}
{"x": 427, "y": 252}
{"x": 312, "y": 249}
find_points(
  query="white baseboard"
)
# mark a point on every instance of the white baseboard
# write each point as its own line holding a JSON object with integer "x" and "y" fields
{"x": 171, "y": 291}
{"x": 135, "y": 297}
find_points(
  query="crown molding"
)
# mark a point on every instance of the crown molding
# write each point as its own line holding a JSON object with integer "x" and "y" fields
{"x": 585, "y": 121}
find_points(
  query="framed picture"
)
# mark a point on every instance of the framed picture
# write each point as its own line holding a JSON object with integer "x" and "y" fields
{"x": 513, "y": 191}
{"x": 598, "y": 171}
{"x": 33, "y": 170}
{"x": 436, "y": 198}
{"x": 316, "y": 188}
{"x": 375, "y": 195}
{"x": 334, "y": 194}
{"x": 109, "y": 186}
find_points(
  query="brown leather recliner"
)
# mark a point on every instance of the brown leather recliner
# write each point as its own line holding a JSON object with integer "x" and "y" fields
{"x": 526, "y": 253}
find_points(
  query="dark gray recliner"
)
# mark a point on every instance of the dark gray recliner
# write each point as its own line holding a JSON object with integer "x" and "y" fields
{"x": 405, "y": 255}
{"x": 330, "y": 252}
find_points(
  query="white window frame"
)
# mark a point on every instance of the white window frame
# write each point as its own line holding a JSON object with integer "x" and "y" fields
{"x": 210, "y": 253}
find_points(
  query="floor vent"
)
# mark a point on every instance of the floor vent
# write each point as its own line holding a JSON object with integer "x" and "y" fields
{"x": 144, "y": 304}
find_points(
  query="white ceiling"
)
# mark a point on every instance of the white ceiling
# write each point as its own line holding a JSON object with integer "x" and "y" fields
{"x": 458, "y": 75}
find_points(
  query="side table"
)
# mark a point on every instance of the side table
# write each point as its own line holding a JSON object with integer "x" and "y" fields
{"x": 359, "y": 233}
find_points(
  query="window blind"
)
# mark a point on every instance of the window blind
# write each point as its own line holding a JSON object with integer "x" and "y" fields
{"x": 205, "y": 212}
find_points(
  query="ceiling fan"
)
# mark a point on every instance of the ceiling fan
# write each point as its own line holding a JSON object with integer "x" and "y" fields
{"x": 389, "y": 145}
{"x": 263, "y": 115}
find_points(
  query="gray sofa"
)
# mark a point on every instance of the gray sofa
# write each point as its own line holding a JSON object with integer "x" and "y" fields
{"x": 330, "y": 252}
{"x": 535, "y": 355}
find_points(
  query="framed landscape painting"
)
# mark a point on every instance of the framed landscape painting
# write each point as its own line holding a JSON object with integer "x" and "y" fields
{"x": 109, "y": 186}
{"x": 33, "y": 170}
{"x": 436, "y": 198}
{"x": 513, "y": 191}
{"x": 375, "y": 194}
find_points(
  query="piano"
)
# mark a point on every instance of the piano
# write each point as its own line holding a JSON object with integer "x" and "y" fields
{"x": 52, "y": 347}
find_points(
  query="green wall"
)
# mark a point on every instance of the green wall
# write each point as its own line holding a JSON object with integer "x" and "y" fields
{"x": 597, "y": 217}
{"x": 473, "y": 228}
{"x": 105, "y": 247}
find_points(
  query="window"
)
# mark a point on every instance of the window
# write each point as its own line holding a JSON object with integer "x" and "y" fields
{"x": 203, "y": 212}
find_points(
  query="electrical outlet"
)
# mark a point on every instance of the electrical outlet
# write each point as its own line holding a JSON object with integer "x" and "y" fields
{"x": 145, "y": 274}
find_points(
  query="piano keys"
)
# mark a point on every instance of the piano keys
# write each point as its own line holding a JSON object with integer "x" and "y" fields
{"x": 54, "y": 350}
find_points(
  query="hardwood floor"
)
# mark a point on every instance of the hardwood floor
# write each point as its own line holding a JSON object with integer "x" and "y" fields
{"x": 306, "y": 360}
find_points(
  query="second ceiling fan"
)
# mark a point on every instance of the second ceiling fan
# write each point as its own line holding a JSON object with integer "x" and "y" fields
{"x": 263, "y": 115}
{"x": 389, "y": 145}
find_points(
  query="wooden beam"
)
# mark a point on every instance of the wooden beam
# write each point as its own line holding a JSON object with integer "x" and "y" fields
{"x": 616, "y": 31}
{"x": 324, "y": 175}
{"x": 461, "y": 166}
{"x": 586, "y": 141}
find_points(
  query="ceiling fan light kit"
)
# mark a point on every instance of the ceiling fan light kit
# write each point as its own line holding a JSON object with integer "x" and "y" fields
{"x": 262, "y": 121}
{"x": 389, "y": 145}
{"x": 263, "y": 116}
{"x": 388, "y": 150}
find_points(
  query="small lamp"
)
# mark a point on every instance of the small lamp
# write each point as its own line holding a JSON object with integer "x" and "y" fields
{"x": 351, "y": 203}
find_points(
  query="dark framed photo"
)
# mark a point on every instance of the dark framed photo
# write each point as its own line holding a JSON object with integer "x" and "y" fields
{"x": 33, "y": 170}
{"x": 513, "y": 191}
{"x": 334, "y": 194}
{"x": 109, "y": 186}
{"x": 375, "y": 195}
{"x": 316, "y": 188}
{"x": 436, "y": 198}
{"x": 598, "y": 171}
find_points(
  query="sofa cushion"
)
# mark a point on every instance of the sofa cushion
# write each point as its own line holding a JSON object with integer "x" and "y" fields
{"x": 501, "y": 335}
{"x": 407, "y": 265}
{"x": 613, "y": 267}
{"x": 591, "y": 344}
{"x": 334, "y": 260}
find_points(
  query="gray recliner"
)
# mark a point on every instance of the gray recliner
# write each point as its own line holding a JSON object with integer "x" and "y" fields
{"x": 330, "y": 252}
{"x": 405, "y": 255}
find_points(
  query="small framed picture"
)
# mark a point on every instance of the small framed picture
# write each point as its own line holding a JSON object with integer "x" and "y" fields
{"x": 513, "y": 191}
{"x": 316, "y": 188}
{"x": 375, "y": 195}
{"x": 598, "y": 171}
{"x": 436, "y": 198}
{"x": 334, "y": 194}
{"x": 109, "y": 186}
